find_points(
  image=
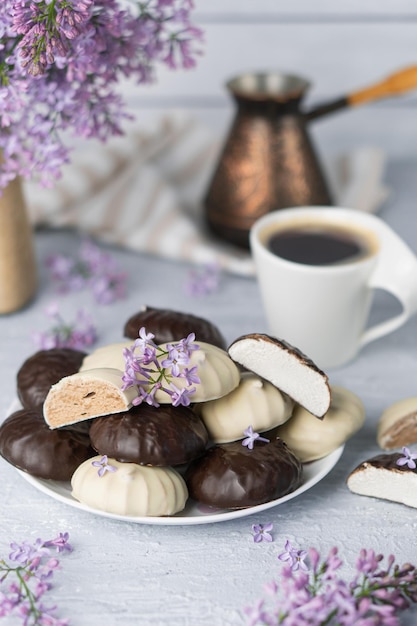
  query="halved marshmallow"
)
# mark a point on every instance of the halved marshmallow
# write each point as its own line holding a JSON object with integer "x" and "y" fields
{"x": 286, "y": 368}
{"x": 381, "y": 477}
{"x": 85, "y": 395}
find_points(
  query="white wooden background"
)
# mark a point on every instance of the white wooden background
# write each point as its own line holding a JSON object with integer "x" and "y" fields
{"x": 340, "y": 45}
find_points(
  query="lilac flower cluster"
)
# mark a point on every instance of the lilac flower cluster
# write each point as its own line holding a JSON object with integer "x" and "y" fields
{"x": 28, "y": 572}
{"x": 60, "y": 63}
{"x": 150, "y": 367}
{"x": 92, "y": 269}
{"x": 318, "y": 596}
{"x": 204, "y": 281}
{"x": 77, "y": 335}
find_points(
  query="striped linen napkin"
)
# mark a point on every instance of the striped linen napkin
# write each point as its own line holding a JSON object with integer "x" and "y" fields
{"x": 144, "y": 191}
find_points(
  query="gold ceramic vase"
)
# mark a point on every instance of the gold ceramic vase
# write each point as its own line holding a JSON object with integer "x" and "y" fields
{"x": 18, "y": 279}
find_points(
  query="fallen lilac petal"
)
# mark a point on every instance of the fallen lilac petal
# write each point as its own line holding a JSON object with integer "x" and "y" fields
{"x": 60, "y": 543}
{"x": 262, "y": 532}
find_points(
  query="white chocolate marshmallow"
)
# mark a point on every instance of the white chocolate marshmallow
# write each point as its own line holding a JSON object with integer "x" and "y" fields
{"x": 311, "y": 439}
{"x": 130, "y": 489}
{"x": 255, "y": 402}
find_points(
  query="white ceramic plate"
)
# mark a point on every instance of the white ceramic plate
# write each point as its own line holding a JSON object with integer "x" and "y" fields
{"x": 194, "y": 513}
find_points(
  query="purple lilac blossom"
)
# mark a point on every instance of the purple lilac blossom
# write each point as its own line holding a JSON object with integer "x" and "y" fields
{"x": 149, "y": 367}
{"x": 60, "y": 543}
{"x": 180, "y": 396}
{"x": 25, "y": 552}
{"x": 408, "y": 459}
{"x": 60, "y": 65}
{"x": 26, "y": 578}
{"x": 190, "y": 375}
{"x": 374, "y": 596}
{"x": 104, "y": 466}
{"x": 294, "y": 557}
{"x": 251, "y": 437}
{"x": 145, "y": 339}
{"x": 203, "y": 281}
{"x": 92, "y": 269}
{"x": 187, "y": 344}
{"x": 147, "y": 396}
{"x": 262, "y": 532}
{"x": 77, "y": 335}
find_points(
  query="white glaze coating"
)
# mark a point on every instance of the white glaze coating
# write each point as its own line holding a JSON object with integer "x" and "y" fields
{"x": 132, "y": 489}
{"x": 311, "y": 439}
{"x": 255, "y": 402}
{"x": 110, "y": 355}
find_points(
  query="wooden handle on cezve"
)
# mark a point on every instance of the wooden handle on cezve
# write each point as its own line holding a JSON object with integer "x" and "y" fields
{"x": 394, "y": 85}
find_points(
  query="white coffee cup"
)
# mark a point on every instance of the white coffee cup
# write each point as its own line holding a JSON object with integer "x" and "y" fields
{"x": 323, "y": 309}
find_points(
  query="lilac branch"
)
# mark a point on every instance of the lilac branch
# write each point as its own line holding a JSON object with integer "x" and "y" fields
{"x": 60, "y": 65}
{"x": 32, "y": 568}
{"x": 316, "y": 595}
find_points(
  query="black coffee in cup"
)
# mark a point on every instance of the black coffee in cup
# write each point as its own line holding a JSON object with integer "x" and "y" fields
{"x": 319, "y": 243}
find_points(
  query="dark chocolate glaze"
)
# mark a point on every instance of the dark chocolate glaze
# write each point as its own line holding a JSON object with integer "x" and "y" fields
{"x": 249, "y": 362}
{"x": 148, "y": 435}
{"x": 42, "y": 370}
{"x": 169, "y": 325}
{"x": 282, "y": 345}
{"x": 385, "y": 461}
{"x": 232, "y": 476}
{"x": 28, "y": 443}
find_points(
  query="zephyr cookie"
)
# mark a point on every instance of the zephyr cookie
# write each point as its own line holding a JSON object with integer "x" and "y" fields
{"x": 27, "y": 443}
{"x": 255, "y": 401}
{"x": 129, "y": 489}
{"x": 397, "y": 425}
{"x": 381, "y": 477}
{"x": 311, "y": 439}
{"x": 169, "y": 326}
{"x": 232, "y": 476}
{"x": 147, "y": 435}
{"x": 285, "y": 367}
{"x": 85, "y": 395}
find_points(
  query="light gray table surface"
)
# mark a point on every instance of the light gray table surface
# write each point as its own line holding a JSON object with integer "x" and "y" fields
{"x": 203, "y": 575}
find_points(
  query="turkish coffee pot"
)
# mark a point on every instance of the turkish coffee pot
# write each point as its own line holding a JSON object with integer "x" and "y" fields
{"x": 268, "y": 160}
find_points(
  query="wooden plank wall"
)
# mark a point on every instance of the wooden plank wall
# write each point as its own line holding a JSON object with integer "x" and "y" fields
{"x": 339, "y": 45}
